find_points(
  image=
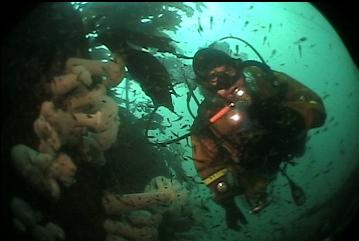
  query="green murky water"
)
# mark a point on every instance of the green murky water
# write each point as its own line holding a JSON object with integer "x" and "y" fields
{"x": 291, "y": 37}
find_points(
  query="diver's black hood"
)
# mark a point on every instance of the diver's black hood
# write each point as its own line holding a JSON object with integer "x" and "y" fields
{"x": 208, "y": 58}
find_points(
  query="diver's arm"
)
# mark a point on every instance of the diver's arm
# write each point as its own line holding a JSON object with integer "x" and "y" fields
{"x": 205, "y": 146}
{"x": 216, "y": 175}
{"x": 303, "y": 100}
{"x": 204, "y": 151}
{"x": 212, "y": 169}
{"x": 287, "y": 100}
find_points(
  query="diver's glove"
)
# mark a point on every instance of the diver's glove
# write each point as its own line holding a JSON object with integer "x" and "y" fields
{"x": 233, "y": 214}
{"x": 274, "y": 116}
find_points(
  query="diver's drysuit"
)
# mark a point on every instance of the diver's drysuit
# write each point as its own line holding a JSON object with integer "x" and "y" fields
{"x": 238, "y": 145}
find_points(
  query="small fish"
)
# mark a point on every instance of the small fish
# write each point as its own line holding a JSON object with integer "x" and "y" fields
{"x": 203, "y": 206}
{"x": 237, "y": 50}
{"x": 282, "y": 64}
{"x": 179, "y": 118}
{"x": 300, "y": 50}
{"x": 211, "y": 22}
{"x": 189, "y": 157}
{"x": 301, "y": 40}
{"x": 330, "y": 163}
{"x": 325, "y": 96}
{"x": 187, "y": 142}
{"x": 200, "y": 28}
{"x": 316, "y": 175}
{"x": 251, "y": 7}
{"x": 269, "y": 28}
{"x": 273, "y": 53}
{"x": 312, "y": 45}
{"x": 246, "y": 23}
{"x": 184, "y": 126}
{"x": 254, "y": 30}
{"x": 176, "y": 135}
{"x": 264, "y": 40}
{"x": 273, "y": 222}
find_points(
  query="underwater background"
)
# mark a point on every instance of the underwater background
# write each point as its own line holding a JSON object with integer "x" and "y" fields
{"x": 291, "y": 37}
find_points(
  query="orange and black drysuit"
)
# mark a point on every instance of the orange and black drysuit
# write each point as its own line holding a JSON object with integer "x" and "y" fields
{"x": 282, "y": 112}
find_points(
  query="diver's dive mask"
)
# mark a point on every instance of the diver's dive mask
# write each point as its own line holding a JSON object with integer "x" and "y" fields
{"x": 224, "y": 80}
{"x": 221, "y": 80}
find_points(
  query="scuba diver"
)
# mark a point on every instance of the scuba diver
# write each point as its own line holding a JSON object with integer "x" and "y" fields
{"x": 251, "y": 120}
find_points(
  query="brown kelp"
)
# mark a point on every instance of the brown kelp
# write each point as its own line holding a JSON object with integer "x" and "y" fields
{"x": 129, "y": 28}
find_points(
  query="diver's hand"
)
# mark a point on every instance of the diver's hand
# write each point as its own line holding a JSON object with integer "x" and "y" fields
{"x": 273, "y": 115}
